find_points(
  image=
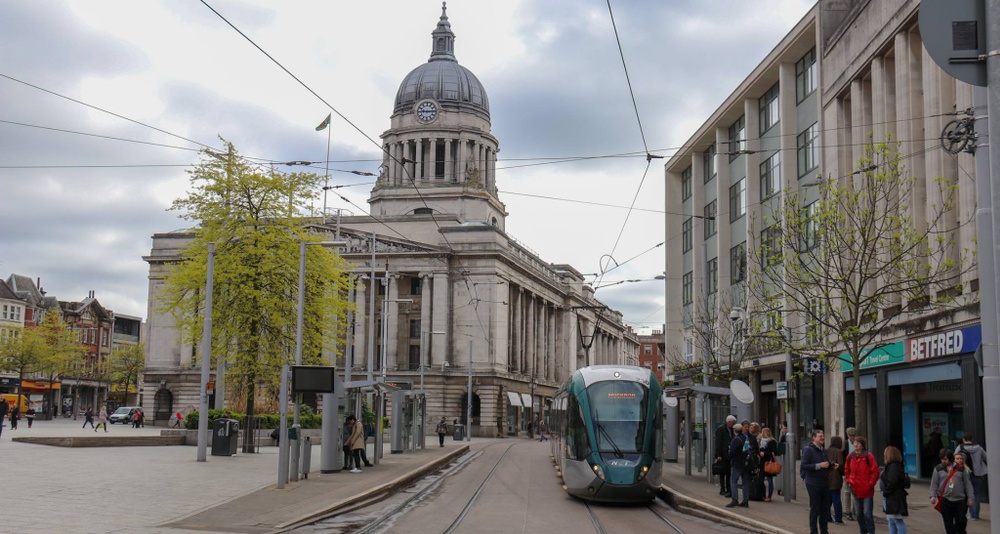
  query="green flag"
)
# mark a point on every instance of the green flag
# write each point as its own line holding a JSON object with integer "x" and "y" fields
{"x": 326, "y": 122}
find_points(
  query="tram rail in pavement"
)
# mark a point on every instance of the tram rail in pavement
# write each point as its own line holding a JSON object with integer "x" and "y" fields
{"x": 165, "y": 489}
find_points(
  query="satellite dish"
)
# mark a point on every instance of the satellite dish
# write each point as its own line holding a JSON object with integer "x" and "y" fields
{"x": 741, "y": 391}
{"x": 670, "y": 402}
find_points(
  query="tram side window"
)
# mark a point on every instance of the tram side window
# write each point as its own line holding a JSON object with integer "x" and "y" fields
{"x": 578, "y": 447}
{"x": 658, "y": 433}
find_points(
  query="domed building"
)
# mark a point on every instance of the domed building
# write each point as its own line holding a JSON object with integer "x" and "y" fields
{"x": 434, "y": 263}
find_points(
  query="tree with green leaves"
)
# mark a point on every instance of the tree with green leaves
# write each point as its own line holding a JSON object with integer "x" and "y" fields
{"x": 125, "y": 365}
{"x": 842, "y": 263}
{"x": 48, "y": 348}
{"x": 251, "y": 214}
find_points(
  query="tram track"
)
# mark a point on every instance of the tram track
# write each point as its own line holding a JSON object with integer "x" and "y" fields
{"x": 599, "y": 527}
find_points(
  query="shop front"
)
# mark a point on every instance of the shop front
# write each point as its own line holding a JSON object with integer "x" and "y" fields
{"x": 923, "y": 394}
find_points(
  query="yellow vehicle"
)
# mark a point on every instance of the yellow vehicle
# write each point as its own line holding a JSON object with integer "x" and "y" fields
{"x": 11, "y": 400}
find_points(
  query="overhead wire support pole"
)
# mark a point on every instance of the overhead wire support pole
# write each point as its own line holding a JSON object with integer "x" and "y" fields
{"x": 991, "y": 358}
{"x": 206, "y": 356}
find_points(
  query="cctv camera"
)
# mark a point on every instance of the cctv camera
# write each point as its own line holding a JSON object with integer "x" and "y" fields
{"x": 735, "y": 314}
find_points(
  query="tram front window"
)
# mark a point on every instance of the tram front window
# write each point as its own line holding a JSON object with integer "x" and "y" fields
{"x": 618, "y": 410}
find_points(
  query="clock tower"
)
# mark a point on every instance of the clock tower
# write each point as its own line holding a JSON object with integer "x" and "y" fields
{"x": 438, "y": 154}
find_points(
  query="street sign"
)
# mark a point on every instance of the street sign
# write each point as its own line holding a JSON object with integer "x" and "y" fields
{"x": 782, "y": 390}
{"x": 954, "y": 35}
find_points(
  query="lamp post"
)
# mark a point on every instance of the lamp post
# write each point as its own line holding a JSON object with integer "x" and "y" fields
{"x": 206, "y": 357}
{"x": 283, "y": 442}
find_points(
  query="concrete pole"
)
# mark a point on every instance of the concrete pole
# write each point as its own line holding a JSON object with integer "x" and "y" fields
{"x": 298, "y": 347}
{"x": 371, "y": 318}
{"x": 283, "y": 430}
{"x": 790, "y": 450}
{"x": 423, "y": 356}
{"x": 206, "y": 357}
{"x": 991, "y": 358}
{"x": 468, "y": 405}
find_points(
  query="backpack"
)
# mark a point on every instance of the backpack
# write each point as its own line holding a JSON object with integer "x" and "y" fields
{"x": 906, "y": 480}
{"x": 442, "y": 428}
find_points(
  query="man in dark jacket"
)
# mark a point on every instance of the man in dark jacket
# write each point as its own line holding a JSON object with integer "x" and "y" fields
{"x": 738, "y": 452}
{"x": 815, "y": 471}
{"x": 723, "y": 438}
{"x": 3, "y": 413}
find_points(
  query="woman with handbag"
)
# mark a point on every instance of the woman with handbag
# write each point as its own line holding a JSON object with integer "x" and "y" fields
{"x": 893, "y": 483}
{"x": 835, "y": 455}
{"x": 768, "y": 455}
{"x": 951, "y": 491}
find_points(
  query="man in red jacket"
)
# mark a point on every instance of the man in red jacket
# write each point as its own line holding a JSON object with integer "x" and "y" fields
{"x": 861, "y": 474}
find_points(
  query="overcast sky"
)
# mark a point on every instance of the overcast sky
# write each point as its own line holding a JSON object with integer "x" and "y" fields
{"x": 78, "y": 211}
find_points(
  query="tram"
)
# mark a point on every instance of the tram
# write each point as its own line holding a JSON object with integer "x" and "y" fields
{"x": 607, "y": 428}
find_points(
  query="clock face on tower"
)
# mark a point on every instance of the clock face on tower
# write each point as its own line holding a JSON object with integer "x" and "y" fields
{"x": 426, "y": 111}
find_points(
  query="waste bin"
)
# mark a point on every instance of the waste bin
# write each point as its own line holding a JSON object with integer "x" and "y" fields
{"x": 459, "y": 432}
{"x": 225, "y": 435}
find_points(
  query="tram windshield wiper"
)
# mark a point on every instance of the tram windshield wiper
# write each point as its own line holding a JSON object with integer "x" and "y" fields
{"x": 600, "y": 428}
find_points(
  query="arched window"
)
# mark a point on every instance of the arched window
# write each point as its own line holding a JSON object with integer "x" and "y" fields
{"x": 440, "y": 44}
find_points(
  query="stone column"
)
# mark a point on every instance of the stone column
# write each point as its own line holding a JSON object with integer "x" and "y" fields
{"x": 439, "y": 318}
{"x": 515, "y": 331}
{"x": 550, "y": 369}
{"x": 449, "y": 163}
{"x": 425, "y": 315}
{"x": 360, "y": 320}
{"x": 462, "y": 164}
{"x": 532, "y": 335}
{"x": 392, "y": 324}
{"x": 432, "y": 160}
{"x": 418, "y": 168}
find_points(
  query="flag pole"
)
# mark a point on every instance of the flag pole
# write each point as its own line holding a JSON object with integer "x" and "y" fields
{"x": 326, "y": 185}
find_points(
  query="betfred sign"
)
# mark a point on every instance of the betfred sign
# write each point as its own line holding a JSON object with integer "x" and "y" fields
{"x": 947, "y": 343}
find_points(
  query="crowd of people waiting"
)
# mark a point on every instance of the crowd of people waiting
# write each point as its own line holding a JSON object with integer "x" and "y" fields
{"x": 842, "y": 479}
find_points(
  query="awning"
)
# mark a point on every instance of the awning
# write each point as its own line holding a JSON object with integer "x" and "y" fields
{"x": 527, "y": 400}
{"x": 514, "y": 398}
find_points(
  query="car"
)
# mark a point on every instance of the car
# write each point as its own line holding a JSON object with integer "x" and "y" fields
{"x": 123, "y": 415}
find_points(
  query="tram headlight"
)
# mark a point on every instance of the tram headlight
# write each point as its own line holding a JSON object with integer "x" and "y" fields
{"x": 643, "y": 471}
{"x": 598, "y": 471}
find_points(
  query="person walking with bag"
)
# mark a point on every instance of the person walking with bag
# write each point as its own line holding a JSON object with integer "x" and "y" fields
{"x": 835, "y": 455}
{"x": 356, "y": 442}
{"x": 102, "y": 419}
{"x": 739, "y": 449}
{"x": 442, "y": 430}
{"x": 975, "y": 457}
{"x": 861, "y": 474}
{"x": 768, "y": 455}
{"x": 951, "y": 491}
{"x": 30, "y": 416}
{"x": 893, "y": 483}
{"x": 814, "y": 469}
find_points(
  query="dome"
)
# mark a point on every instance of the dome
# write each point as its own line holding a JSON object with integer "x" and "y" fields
{"x": 442, "y": 79}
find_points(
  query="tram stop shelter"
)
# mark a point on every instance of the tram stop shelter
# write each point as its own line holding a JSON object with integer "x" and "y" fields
{"x": 705, "y": 407}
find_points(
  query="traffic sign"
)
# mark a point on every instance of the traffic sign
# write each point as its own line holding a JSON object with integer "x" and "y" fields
{"x": 782, "y": 390}
{"x": 954, "y": 35}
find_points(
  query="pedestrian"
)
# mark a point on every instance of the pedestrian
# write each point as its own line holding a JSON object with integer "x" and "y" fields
{"x": 754, "y": 461}
{"x": 531, "y": 428}
{"x": 861, "y": 474}
{"x": 978, "y": 469}
{"x": 952, "y": 487}
{"x": 739, "y": 449}
{"x": 30, "y": 415}
{"x": 366, "y": 430}
{"x": 102, "y": 419}
{"x": 848, "y": 497}
{"x": 542, "y": 429}
{"x": 723, "y": 438}
{"x": 15, "y": 415}
{"x": 356, "y": 442}
{"x": 814, "y": 469}
{"x": 835, "y": 455}
{"x": 893, "y": 483}
{"x": 816, "y": 425}
{"x": 142, "y": 418}
{"x": 768, "y": 453}
{"x": 442, "y": 430}
{"x": 135, "y": 418}
{"x": 346, "y": 441}
{"x": 178, "y": 418}
{"x": 88, "y": 417}
{"x": 4, "y": 408}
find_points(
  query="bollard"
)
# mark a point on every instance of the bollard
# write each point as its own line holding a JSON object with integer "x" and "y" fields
{"x": 306, "y": 456}
{"x": 293, "y": 444}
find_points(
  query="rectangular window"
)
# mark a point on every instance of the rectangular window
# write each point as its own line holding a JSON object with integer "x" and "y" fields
{"x": 414, "y": 328}
{"x": 712, "y": 278}
{"x": 687, "y": 287}
{"x": 710, "y": 211}
{"x": 647, "y": 350}
{"x": 805, "y": 76}
{"x": 104, "y": 338}
{"x": 4, "y": 311}
{"x": 738, "y": 263}
{"x": 414, "y": 357}
{"x": 439, "y": 160}
{"x": 686, "y": 184}
{"x": 688, "y": 349}
{"x": 770, "y": 176}
{"x": 769, "y": 109}
{"x": 808, "y": 231}
{"x": 806, "y": 143}
{"x": 708, "y": 163}
{"x": 738, "y": 200}
{"x": 416, "y": 285}
{"x": 770, "y": 246}
{"x": 737, "y": 138}
{"x": 686, "y": 237}
{"x": 814, "y": 329}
